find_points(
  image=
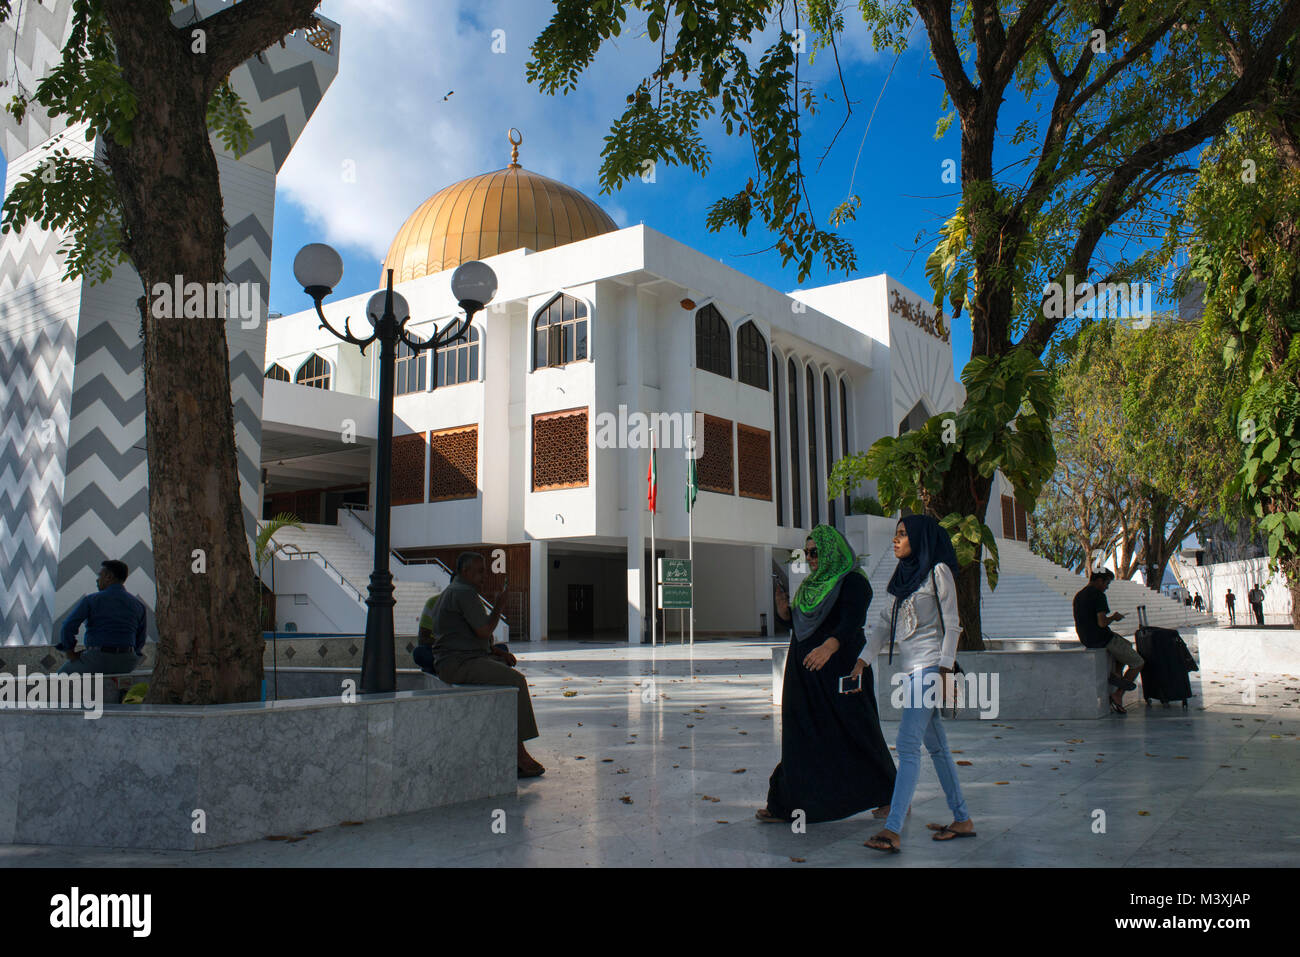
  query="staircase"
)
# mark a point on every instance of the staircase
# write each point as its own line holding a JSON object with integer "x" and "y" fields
{"x": 1034, "y": 599}
{"x": 354, "y": 563}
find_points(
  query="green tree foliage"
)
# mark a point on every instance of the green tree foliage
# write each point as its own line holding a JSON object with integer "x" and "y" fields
{"x": 148, "y": 83}
{"x": 76, "y": 194}
{"x": 1003, "y": 425}
{"x": 1121, "y": 92}
{"x": 1241, "y": 227}
{"x": 1145, "y": 441}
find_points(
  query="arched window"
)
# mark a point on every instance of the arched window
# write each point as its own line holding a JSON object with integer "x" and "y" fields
{"x": 751, "y": 350}
{"x": 712, "y": 342}
{"x": 560, "y": 332}
{"x": 776, "y": 441}
{"x": 315, "y": 372}
{"x": 279, "y": 373}
{"x": 814, "y": 485}
{"x": 410, "y": 370}
{"x": 844, "y": 433}
{"x": 458, "y": 362}
{"x": 829, "y": 422}
{"x": 796, "y": 486}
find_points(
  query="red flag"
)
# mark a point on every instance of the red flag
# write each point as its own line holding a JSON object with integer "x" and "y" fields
{"x": 652, "y": 482}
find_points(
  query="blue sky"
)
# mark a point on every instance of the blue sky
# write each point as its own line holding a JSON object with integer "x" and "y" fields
{"x": 421, "y": 101}
{"x": 409, "y": 135}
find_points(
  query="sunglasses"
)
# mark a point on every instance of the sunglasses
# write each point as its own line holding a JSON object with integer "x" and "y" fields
{"x": 810, "y": 552}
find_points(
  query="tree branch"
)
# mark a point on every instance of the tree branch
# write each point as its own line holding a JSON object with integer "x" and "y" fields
{"x": 246, "y": 29}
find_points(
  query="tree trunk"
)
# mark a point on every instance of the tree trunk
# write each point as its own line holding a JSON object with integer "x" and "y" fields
{"x": 966, "y": 492}
{"x": 1291, "y": 569}
{"x": 210, "y": 647}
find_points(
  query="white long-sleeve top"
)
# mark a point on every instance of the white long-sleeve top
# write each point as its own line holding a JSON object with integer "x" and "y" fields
{"x": 917, "y": 636}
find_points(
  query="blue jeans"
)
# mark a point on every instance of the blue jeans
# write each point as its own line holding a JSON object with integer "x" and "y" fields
{"x": 94, "y": 661}
{"x": 921, "y": 725}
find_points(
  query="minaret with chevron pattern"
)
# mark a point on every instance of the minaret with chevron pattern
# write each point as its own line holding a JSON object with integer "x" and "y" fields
{"x": 73, "y": 468}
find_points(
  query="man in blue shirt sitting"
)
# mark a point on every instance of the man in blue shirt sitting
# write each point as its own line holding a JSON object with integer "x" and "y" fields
{"x": 115, "y": 627}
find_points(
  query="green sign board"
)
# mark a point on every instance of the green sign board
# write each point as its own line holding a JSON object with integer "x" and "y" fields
{"x": 675, "y": 571}
{"x": 674, "y": 596}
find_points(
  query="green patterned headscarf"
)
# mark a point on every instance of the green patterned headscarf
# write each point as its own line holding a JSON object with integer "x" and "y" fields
{"x": 818, "y": 592}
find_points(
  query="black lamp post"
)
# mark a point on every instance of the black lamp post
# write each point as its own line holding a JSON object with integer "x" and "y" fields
{"x": 319, "y": 268}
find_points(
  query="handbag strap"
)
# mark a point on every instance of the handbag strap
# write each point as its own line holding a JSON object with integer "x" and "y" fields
{"x": 938, "y": 604}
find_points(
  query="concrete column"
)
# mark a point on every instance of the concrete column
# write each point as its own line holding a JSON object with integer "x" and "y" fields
{"x": 763, "y": 590}
{"x": 539, "y": 596}
{"x": 636, "y": 579}
{"x": 635, "y": 517}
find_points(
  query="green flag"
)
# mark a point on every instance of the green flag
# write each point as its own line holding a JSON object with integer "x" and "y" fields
{"x": 692, "y": 485}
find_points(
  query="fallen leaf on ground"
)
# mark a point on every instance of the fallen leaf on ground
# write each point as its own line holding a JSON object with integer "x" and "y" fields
{"x": 1001, "y": 782}
{"x": 964, "y": 763}
{"x": 626, "y": 799}
{"x": 799, "y": 860}
{"x": 570, "y": 694}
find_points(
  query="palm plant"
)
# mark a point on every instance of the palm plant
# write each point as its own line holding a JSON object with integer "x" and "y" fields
{"x": 265, "y": 548}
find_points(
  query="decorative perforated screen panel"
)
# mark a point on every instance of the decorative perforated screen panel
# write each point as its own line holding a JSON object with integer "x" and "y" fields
{"x": 715, "y": 467}
{"x": 408, "y": 469}
{"x": 453, "y": 463}
{"x": 754, "y": 452}
{"x": 560, "y": 450}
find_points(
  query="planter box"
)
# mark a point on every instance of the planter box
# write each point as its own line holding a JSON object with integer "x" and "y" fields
{"x": 135, "y": 777}
{"x": 1056, "y": 684}
{"x": 1257, "y": 650}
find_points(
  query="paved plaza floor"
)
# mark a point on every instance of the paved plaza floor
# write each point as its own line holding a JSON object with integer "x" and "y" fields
{"x": 670, "y": 773}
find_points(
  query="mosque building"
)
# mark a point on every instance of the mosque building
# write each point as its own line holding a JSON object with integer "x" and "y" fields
{"x": 521, "y": 441}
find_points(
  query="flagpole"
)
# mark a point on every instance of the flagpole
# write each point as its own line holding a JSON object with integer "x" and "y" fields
{"x": 654, "y": 574}
{"x": 690, "y": 536}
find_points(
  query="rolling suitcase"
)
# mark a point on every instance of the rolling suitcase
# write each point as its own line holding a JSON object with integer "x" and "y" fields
{"x": 1166, "y": 663}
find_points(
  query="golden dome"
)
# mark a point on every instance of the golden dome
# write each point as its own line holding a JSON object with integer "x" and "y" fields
{"x": 490, "y": 214}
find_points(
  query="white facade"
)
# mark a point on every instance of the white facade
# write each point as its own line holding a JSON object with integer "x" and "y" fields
{"x": 862, "y": 334}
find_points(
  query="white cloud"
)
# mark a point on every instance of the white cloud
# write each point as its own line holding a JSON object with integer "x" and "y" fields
{"x": 421, "y": 102}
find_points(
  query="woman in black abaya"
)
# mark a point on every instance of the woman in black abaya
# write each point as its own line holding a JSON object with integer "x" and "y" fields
{"x": 834, "y": 759}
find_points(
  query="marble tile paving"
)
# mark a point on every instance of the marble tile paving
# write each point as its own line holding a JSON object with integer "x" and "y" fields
{"x": 659, "y": 757}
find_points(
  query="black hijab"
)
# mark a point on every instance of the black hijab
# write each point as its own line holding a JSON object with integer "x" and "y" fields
{"x": 931, "y": 546}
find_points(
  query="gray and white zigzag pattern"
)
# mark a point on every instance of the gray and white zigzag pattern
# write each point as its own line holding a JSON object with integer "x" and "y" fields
{"x": 36, "y": 370}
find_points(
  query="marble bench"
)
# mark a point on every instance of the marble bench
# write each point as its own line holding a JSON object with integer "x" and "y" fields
{"x": 1255, "y": 650}
{"x": 196, "y": 777}
{"x": 286, "y": 683}
{"x": 1010, "y": 685}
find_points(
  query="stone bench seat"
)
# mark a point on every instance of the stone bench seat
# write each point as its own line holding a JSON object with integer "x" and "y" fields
{"x": 1056, "y": 684}
{"x": 204, "y": 776}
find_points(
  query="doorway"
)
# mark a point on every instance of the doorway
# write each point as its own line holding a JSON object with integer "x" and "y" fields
{"x": 582, "y": 611}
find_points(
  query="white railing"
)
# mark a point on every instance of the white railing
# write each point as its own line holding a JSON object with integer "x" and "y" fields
{"x": 292, "y": 552}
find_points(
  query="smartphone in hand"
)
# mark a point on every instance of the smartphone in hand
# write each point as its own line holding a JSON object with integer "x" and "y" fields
{"x": 850, "y": 684}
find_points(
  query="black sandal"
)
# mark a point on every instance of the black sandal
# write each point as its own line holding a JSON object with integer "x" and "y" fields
{"x": 1117, "y": 708}
{"x": 881, "y": 839}
{"x": 939, "y": 833}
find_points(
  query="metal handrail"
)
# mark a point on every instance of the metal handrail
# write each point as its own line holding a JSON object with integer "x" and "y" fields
{"x": 394, "y": 553}
{"x": 353, "y": 509}
{"x": 292, "y": 553}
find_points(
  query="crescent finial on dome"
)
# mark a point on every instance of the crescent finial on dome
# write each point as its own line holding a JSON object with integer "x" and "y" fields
{"x": 515, "y": 138}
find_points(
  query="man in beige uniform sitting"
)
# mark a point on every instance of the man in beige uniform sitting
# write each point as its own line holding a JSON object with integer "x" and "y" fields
{"x": 460, "y": 633}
